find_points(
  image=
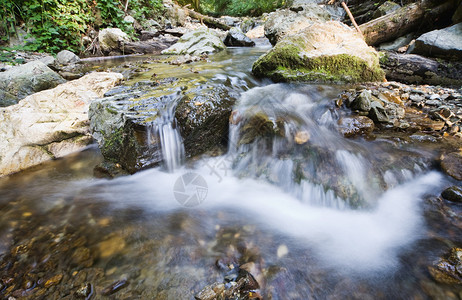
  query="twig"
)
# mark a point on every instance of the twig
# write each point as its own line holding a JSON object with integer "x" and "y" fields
{"x": 345, "y": 7}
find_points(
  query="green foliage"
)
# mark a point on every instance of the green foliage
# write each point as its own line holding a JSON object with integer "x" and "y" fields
{"x": 239, "y": 7}
{"x": 61, "y": 24}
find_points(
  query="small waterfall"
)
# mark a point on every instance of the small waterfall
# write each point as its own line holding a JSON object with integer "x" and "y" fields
{"x": 164, "y": 130}
{"x": 288, "y": 136}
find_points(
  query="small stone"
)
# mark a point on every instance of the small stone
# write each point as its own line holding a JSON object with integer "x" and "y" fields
{"x": 111, "y": 246}
{"x": 114, "y": 287}
{"x": 453, "y": 194}
{"x": 206, "y": 293}
{"x": 282, "y": 251}
{"x": 433, "y": 102}
{"x": 362, "y": 101}
{"x": 416, "y": 98}
{"x": 84, "y": 291}
{"x": 378, "y": 113}
{"x": 451, "y": 164}
{"x": 301, "y": 137}
{"x": 53, "y": 280}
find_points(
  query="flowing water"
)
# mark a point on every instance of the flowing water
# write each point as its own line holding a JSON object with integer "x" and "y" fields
{"x": 319, "y": 216}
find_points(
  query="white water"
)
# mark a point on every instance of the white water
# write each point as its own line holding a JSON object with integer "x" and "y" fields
{"x": 260, "y": 185}
{"x": 365, "y": 241}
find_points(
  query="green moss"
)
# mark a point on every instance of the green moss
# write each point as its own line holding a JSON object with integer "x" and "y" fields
{"x": 285, "y": 63}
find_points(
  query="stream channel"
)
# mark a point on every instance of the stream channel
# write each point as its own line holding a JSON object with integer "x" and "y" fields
{"x": 317, "y": 215}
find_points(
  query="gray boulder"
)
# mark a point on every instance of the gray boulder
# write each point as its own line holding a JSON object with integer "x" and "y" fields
{"x": 51, "y": 123}
{"x": 386, "y": 8}
{"x": 29, "y": 78}
{"x": 236, "y": 38}
{"x": 287, "y": 22}
{"x": 111, "y": 39}
{"x": 197, "y": 42}
{"x": 67, "y": 57}
{"x": 445, "y": 43}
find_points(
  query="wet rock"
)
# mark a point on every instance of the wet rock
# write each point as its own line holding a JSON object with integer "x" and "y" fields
{"x": 203, "y": 118}
{"x": 378, "y": 113}
{"x": 7, "y": 99}
{"x": 53, "y": 280}
{"x": 448, "y": 269}
{"x": 81, "y": 257}
{"x": 363, "y": 101}
{"x": 24, "y": 80}
{"x": 288, "y": 22}
{"x": 197, "y": 42}
{"x": 443, "y": 43}
{"x": 451, "y": 163}
{"x": 236, "y": 38}
{"x": 85, "y": 291}
{"x": 111, "y": 246}
{"x": 328, "y": 52}
{"x": 111, "y": 39}
{"x": 51, "y": 123}
{"x": 356, "y": 125}
{"x": 453, "y": 194}
{"x": 67, "y": 57}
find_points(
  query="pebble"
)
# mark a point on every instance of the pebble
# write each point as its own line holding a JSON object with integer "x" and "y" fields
{"x": 282, "y": 251}
{"x": 115, "y": 287}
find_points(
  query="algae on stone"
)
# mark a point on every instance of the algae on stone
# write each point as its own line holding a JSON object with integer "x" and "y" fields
{"x": 324, "y": 52}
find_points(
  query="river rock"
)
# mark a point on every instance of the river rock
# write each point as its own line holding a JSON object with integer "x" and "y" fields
{"x": 451, "y": 164}
{"x": 67, "y": 57}
{"x": 442, "y": 43}
{"x": 236, "y": 38}
{"x": 287, "y": 22}
{"x": 363, "y": 101}
{"x": 378, "y": 113}
{"x": 197, "y": 42}
{"x": 448, "y": 269}
{"x": 120, "y": 124}
{"x": 51, "y": 123}
{"x": 355, "y": 125}
{"x": 203, "y": 119}
{"x": 256, "y": 33}
{"x": 111, "y": 39}
{"x": 327, "y": 52}
{"x": 29, "y": 78}
{"x": 453, "y": 194}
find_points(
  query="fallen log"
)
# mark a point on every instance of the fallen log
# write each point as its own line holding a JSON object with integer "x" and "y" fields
{"x": 209, "y": 21}
{"x": 416, "y": 69}
{"x": 404, "y": 20}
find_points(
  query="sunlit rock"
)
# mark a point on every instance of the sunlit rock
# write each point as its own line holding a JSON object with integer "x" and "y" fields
{"x": 197, "y": 42}
{"x": 327, "y": 52}
{"x": 51, "y": 123}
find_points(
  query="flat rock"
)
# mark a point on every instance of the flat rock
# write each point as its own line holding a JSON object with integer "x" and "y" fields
{"x": 51, "y": 123}
{"x": 443, "y": 43}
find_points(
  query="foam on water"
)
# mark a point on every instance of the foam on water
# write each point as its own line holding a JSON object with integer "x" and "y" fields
{"x": 351, "y": 239}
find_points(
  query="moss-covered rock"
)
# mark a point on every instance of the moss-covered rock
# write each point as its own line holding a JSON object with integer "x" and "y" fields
{"x": 326, "y": 52}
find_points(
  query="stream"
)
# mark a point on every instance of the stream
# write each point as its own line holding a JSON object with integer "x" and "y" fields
{"x": 317, "y": 216}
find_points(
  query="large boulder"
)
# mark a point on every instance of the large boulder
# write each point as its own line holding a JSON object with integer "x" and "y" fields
{"x": 112, "y": 39}
{"x": 445, "y": 43}
{"x": 197, "y": 42}
{"x": 236, "y": 38}
{"x": 290, "y": 21}
{"x": 51, "y": 123}
{"x": 326, "y": 52}
{"x": 27, "y": 79}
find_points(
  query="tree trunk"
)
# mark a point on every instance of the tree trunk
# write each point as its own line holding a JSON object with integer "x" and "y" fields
{"x": 402, "y": 21}
{"x": 415, "y": 69}
{"x": 209, "y": 21}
